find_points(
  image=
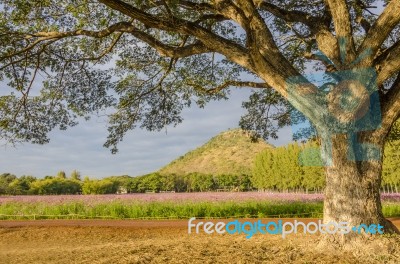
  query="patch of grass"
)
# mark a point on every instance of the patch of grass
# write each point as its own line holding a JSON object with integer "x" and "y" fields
{"x": 170, "y": 210}
{"x": 391, "y": 209}
{"x": 119, "y": 210}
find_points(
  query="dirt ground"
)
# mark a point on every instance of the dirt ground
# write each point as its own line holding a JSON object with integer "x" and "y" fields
{"x": 88, "y": 241}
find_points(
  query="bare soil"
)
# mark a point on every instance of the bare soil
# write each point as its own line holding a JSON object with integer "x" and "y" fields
{"x": 98, "y": 241}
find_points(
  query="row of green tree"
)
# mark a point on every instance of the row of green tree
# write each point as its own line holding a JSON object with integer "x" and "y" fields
{"x": 59, "y": 184}
{"x": 298, "y": 167}
{"x": 154, "y": 182}
{"x": 391, "y": 167}
{"x": 288, "y": 168}
{"x": 192, "y": 182}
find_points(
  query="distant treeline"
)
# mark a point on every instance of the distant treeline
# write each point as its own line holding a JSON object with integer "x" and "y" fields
{"x": 295, "y": 167}
{"x": 298, "y": 167}
{"x": 278, "y": 169}
{"x": 193, "y": 182}
{"x": 59, "y": 184}
{"x": 154, "y": 182}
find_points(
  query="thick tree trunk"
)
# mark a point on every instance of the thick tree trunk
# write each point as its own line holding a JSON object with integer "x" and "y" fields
{"x": 352, "y": 192}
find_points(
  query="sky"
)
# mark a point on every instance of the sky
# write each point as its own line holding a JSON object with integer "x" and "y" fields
{"x": 141, "y": 152}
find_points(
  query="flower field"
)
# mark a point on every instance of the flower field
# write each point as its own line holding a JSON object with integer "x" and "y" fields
{"x": 173, "y": 206}
{"x": 167, "y": 197}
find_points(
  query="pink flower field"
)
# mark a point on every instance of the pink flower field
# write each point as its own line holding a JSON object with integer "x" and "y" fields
{"x": 177, "y": 197}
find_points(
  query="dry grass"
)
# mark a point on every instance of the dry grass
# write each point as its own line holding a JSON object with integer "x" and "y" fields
{"x": 174, "y": 245}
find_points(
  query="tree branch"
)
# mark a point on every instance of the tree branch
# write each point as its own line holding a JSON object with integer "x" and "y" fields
{"x": 388, "y": 63}
{"x": 329, "y": 67}
{"x": 196, "y": 6}
{"x": 379, "y": 31}
{"x": 121, "y": 27}
{"x": 359, "y": 6}
{"x": 290, "y": 16}
{"x": 171, "y": 51}
{"x": 272, "y": 66}
{"x": 117, "y": 27}
{"x": 259, "y": 37}
{"x": 228, "y": 84}
{"x": 53, "y": 36}
{"x": 319, "y": 26}
{"x": 228, "y": 48}
{"x": 390, "y": 109}
{"x": 342, "y": 22}
{"x": 215, "y": 17}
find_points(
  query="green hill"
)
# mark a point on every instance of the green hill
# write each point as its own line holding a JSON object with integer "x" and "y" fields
{"x": 230, "y": 152}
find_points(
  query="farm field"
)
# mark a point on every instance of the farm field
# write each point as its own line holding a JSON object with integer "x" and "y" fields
{"x": 173, "y": 206}
{"x": 96, "y": 229}
{"x": 117, "y": 241}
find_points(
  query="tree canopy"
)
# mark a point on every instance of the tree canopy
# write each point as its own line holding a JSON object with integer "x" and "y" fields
{"x": 145, "y": 61}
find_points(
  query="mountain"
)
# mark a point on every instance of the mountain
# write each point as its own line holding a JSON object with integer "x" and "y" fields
{"x": 230, "y": 152}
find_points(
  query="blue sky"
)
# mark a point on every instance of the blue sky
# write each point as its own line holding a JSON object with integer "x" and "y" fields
{"x": 141, "y": 152}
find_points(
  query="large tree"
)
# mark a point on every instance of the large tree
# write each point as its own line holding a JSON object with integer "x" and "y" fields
{"x": 147, "y": 60}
